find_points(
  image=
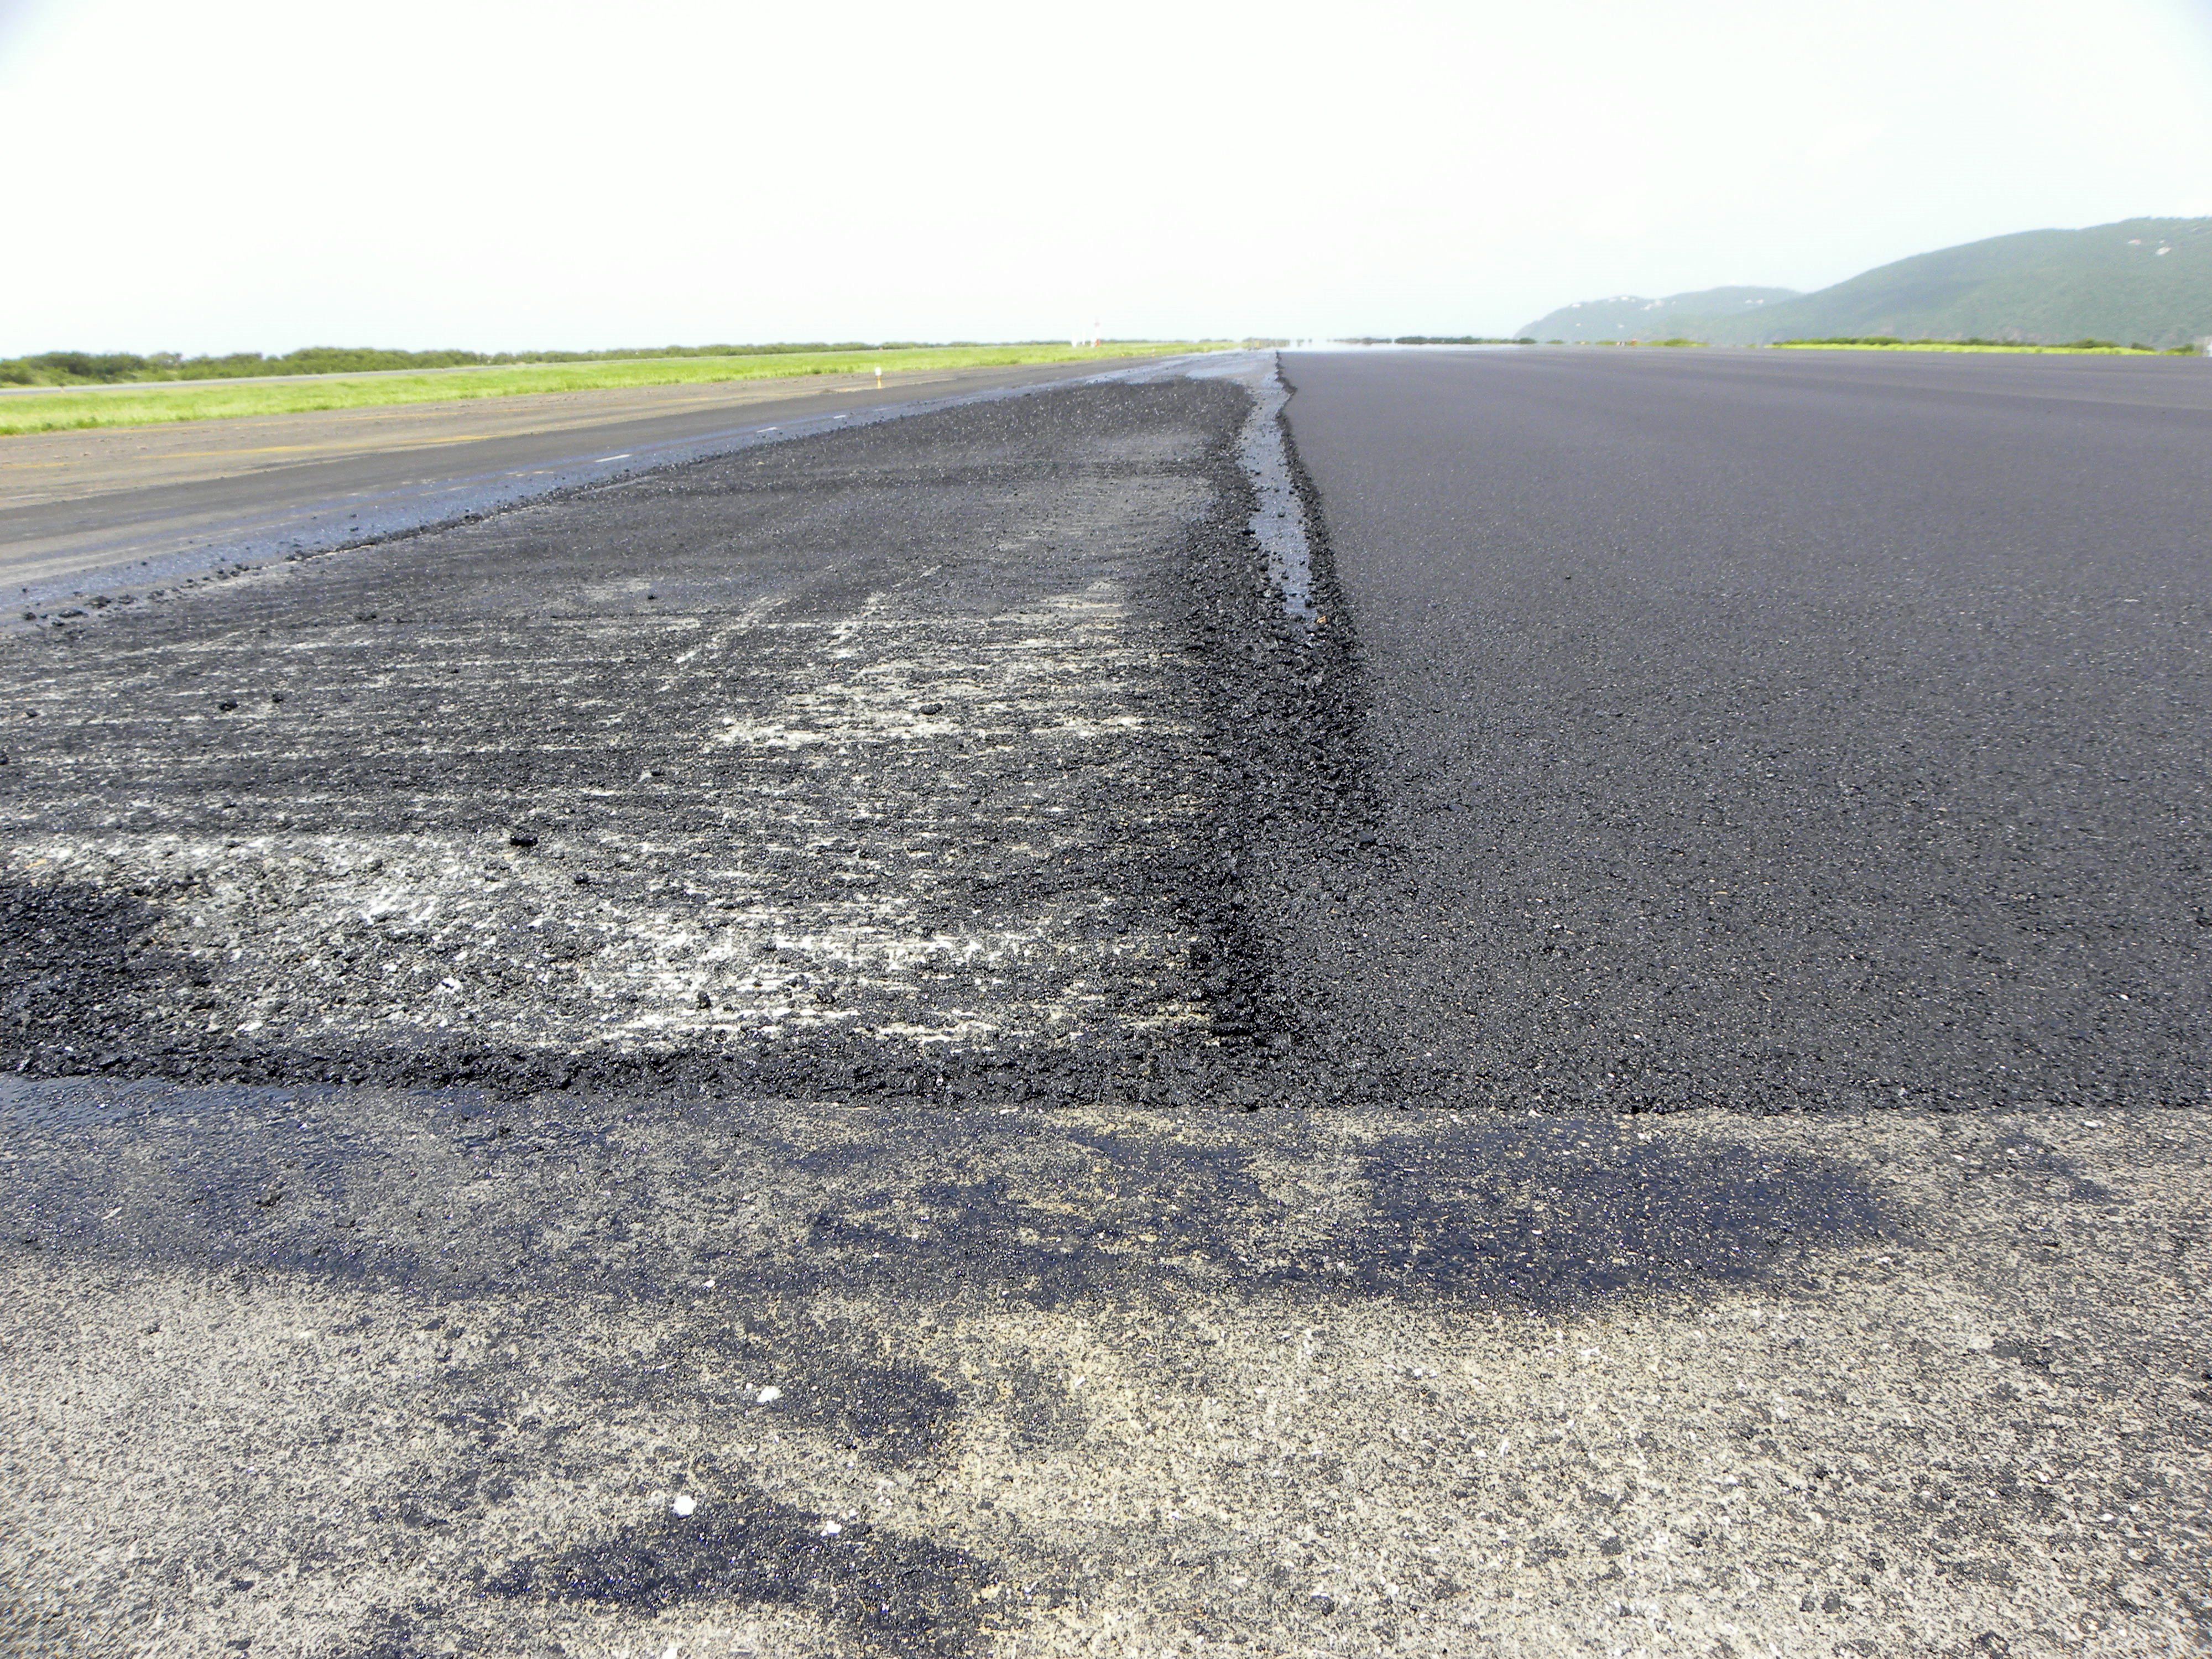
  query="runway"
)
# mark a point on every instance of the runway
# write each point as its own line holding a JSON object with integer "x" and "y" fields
{"x": 1047, "y": 1028}
{"x": 1768, "y": 729}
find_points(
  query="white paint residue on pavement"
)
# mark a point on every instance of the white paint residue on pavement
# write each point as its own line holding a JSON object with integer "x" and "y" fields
{"x": 1278, "y": 523}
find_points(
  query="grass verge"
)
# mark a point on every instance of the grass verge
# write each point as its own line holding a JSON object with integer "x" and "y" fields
{"x": 150, "y": 404}
{"x": 2106, "y": 348}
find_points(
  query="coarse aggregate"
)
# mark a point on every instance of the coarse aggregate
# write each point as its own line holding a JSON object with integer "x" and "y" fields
{"x": 862, "y": 766}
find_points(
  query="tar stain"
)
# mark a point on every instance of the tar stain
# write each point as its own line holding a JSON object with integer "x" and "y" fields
{"x": 2034, "y": 1164}
{"x": 906, "y": 1594}
{"x": 1034, "y": 1209}
{"x": 892, "y": 1412}
{"x": 1553, "y": 1215}
{"x": 1558, "y": 1213}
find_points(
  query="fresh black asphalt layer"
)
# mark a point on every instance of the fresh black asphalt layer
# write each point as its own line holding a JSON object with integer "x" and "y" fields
{"x": 1761, "y": 731}
{"x": 1770, "y": 731}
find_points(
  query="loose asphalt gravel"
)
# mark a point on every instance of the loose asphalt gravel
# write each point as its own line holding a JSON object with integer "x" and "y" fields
{"x": 879, "y": 1046}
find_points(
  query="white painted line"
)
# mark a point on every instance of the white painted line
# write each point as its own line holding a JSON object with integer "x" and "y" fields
{"x": 604, "y": 460}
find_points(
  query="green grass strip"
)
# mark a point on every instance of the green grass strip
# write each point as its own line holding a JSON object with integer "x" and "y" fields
{"x": 2079, "y": 347}
{"x": 152, "y": 402}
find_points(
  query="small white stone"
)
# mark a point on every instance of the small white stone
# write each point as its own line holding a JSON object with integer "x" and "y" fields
{"x": 685, "y": 1503}
{"x": 830, "y": 1529}
{"x": 768, "y": 1397}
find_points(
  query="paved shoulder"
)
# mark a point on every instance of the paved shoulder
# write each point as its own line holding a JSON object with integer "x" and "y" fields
{"x": 123, "y": 510}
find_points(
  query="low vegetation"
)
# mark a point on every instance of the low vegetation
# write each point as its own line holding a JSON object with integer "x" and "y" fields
{"x": 1891, "y": 343}
{"x": 2148, "y": 279}
{"x": 127, "y": 401}
{"x": 114, "y": 367}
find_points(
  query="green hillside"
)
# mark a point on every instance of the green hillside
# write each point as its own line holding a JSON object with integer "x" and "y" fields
{"x": 2147, "y": 280}
{"x": 1632, "y": 317}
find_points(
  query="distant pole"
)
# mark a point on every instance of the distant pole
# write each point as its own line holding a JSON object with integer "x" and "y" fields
{"x": 879, "y": 377}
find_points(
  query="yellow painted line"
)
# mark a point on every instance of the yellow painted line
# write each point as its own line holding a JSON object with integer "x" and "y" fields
{"x": 400, "y": 411}
{"x": 332, "y": 449}
{"x": 265, "y": 449}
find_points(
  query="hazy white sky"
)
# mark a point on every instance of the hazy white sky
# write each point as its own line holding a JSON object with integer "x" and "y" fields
{"x": 239, "y": 175}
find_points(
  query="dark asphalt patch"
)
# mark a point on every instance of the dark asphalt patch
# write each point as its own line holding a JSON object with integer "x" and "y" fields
{"x": 77, "y": 965}
{"x": 906, "y": 1594}
{"x": 458, "y": 1201}
{"x": 1762, "y": 733}
{"x": 1247, "y": 740}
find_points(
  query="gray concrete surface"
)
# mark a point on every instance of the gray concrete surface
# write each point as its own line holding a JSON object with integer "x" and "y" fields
{"x": 343, "y": 1372}
{"x": 128, "y": 508}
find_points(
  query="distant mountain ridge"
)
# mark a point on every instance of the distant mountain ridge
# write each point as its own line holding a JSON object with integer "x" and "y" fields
{"x": 2147, "y": 280}
{"x": 1632, "y": 317}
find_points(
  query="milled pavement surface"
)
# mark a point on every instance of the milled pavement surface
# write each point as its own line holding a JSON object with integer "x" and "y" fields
{"x": 126, "y": 512}
{"x": 726, "y": 1073}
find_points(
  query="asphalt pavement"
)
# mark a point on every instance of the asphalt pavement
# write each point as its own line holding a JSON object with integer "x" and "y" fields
{"x": 133, "y": 508}
{"x": 890, "y": 1045}
{"x": 1765, "y": 730}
